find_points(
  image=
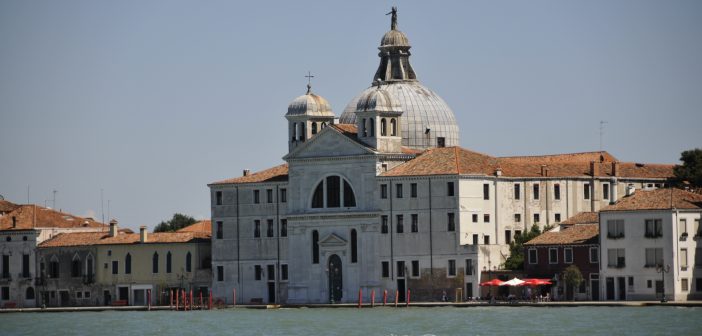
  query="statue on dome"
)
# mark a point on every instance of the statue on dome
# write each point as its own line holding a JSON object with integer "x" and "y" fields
{"x": 393, "y": 22}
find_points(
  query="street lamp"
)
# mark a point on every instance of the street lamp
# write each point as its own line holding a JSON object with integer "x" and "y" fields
{"x": 663, "y": 270}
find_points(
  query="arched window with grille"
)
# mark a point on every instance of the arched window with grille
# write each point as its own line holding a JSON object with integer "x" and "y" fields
{"x": 371, "y": 127}
{"x": 169, "y": 260}
{"x": 189, "y": 262}
{"x": 330, "y": 192}
{"x": 128, "y": 264}
{"x": 393, "y": 127}
{"x": 154, "y": 263}
{"x": 314, "y": 128}
{"x": 383, "y": 127}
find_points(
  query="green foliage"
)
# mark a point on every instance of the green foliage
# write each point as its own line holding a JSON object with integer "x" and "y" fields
{"x": 176, "y": 223}
{"x": 573, "y": 277}
{"x": 515, "y": 261}
{"x": 691, "y": 169}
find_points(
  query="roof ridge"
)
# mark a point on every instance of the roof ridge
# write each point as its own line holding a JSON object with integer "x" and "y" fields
{"x": 557, "y": 154}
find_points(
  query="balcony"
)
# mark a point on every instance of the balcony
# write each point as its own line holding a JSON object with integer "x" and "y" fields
{"x": 615, "y": 235}
{"x": 653, "y": 235}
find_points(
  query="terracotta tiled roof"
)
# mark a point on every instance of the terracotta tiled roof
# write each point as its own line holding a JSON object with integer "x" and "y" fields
{"x": 6, "y": 206}
{"x": 275, "y": 174}
{"x": 659, "y": 199}
{"x": 456, "y": 160}
{"x": 103, "y": 238}
{"x": 582, "y": 218}
{"x": 204, "y": 226}
{"x": 584, "y": 157}
{"x": 33, "y": 216}
{"x": 576, "y": 234}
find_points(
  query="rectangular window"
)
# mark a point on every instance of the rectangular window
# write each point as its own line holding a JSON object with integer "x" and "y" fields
{"x": 415, "y": 223}
{"x": 269, "y": 229}
{"x": 258, "y": 270}
{"x": 79, "y": 295}
{"x": 400, "y": 224}
{"x": 557, "y": 217}
{"x": 654, "y": 257}
{"x": 284, "y": 197}
{"x": 486, "y": 218}
{"x": 698, "y": 284}
{"x": 220, "y": 232}
{"x": 469, "y": 267}
{"x": 684, "y": 285}
{"x": 5, "y": 293}
{"x": 386, "y": 269}
{"x": 536, "y": 191}
{"x": 449, "y": 189}
{"x": 683, "y": 258}
{"x": 383, "y": 191}
{"x": 218, "y": 198}
{"x": 384, "y": 224}
{"x": 616, "y": 258}
{"x": 605, "y": 191}
{"x": 475, "y": 239}
{"x": 415, "y": 268}
{"x": 257, "y": 228}
{"x": 475, "y": 218}
{"x": 284, "y": 272}
{"x": 697, "y": 230}
{"x": 517, "y": 218}
{"x": 25, "y": 265}
{"x": 586, "y": 191}
{"x": 115, "y": 267}
{"x": 594, "y": 255}
{"x": 400, "y": 269}
{"x": 257, "y": 196}
{"x": 553, "y": 256}
{"x": 615, "y": 228}
{"x": 508, "y": 236}
{"x": 557, "y": 191}
{"x": 451, "y": 268}
{"x": 537, "y": 218}
{"x": 271, "y": 272}
{"x": 517, "y": 191}
{"x": 654, "y": 228}
{"x": 220, "y": 273}
{"x": 630, "y": 283}
{"x": 533, "y": 256}
{"x": 698, "y": 258}
{"x": 568, "y": 255}
{"x": 517, "y": 233}
{"x": 398, "y": 190}
{"x": 486, "y": 240}
{"x": 486, "y": 191}
{"x": 269, "y": 195}
{"x": 413, "y": 190}
{"x": 649, "y": 283}
{"x": 451, "y": 222}
{"x": 682, "y": 227}
{"x": 283, "y": 227}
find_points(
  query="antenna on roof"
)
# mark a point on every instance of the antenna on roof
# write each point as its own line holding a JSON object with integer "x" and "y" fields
{"x": 102, "y": 207}
{"x": 54, "y": 200}
{"x": 602, "y": 123}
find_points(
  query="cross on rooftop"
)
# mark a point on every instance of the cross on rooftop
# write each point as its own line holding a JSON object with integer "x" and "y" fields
{"x": 309, "y": 81}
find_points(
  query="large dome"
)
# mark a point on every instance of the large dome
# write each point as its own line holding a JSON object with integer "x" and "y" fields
{"x": 309, "y": 104}
{"x": 422, "y": 109}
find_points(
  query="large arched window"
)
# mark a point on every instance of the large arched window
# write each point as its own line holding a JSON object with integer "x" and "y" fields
{"x": 76, "y": 267}
{"x": 383, "y": 127}
{"x": 393, "y": 127}
{"x": 354, "y": 246}
{"x": 315, "y": 247}
{"x": 189, "y": 262}
{"x": 314, "y": 128}
{"x": 330, "y": 194}
{"x": 154, "y": 263}
{"x": 128, "y": 264}
{"x": 169, "y": 262}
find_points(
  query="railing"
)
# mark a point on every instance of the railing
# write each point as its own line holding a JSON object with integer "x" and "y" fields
{"x": 615, "y": 235}
{"x": 653, "y": 235}
{"x": 24, "y": 275}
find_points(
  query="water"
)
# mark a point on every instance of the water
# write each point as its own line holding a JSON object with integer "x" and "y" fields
{"x": 378, "y": 321}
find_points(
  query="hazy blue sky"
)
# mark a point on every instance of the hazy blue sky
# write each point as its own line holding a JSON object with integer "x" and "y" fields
{"x": 151, "y": 100}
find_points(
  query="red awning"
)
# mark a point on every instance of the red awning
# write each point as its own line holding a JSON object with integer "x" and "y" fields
{"x": 493, "y": 282}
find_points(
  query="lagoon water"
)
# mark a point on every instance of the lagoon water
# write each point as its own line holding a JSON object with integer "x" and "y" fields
{"x": 377, "y": 321}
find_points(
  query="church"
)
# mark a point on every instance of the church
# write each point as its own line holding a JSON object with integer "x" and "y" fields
{"x": 384, "y": 198}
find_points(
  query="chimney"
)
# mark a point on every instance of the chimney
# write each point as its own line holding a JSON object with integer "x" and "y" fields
{"x": 247, "y": 172}
{"x": 594, "y": 168}
{"x": 630, "y": 189}
{"x": 14, "y": 222}
{"x": 544, "y": 170}
{"x": 113, "y": 228}
{"x": 498, "y": 172}
{"x": 615, "y": 168}
{"x": 142, "y": 234}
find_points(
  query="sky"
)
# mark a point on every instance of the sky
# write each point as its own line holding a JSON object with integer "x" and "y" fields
{"x": 140, "y": 104}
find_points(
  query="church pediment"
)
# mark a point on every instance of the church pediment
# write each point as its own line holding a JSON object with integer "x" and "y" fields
{"x": 332, "y": 240}
{"x": 329, "y": 142}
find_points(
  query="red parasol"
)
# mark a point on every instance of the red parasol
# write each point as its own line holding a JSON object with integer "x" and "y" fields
{"x": 493, "y": 282}
{"x": 536, "y": 282}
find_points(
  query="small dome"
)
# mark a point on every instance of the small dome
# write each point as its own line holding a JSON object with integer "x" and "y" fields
{"x": 310, "y": 104}
{"x": 378, "y": 100}
{"x": 394, "y": 38}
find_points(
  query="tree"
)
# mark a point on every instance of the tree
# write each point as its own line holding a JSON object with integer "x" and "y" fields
{"x": 691, "y": 169}
{"x": 573, "y": 277}
{"x": 176, "y": 223}
{"x": 515, "y": 261}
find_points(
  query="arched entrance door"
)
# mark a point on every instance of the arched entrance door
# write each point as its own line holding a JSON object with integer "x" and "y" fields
{"x": 335, "y": 279}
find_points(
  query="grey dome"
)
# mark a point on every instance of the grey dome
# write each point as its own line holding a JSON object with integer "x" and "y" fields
{"x": 394, "y": 38}
{"x": 310, "y": 104}
{"x": 377, "y": 100}
{"x": 423, "y": 109}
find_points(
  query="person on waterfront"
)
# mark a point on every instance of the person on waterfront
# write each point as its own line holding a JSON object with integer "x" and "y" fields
{"x": 443, "y": 296}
